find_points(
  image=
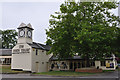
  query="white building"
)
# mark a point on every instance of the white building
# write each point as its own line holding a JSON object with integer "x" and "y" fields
{"x": 28, "y": 55}
{"x": 76, "y": 62}
{"x": 31, "y": 56}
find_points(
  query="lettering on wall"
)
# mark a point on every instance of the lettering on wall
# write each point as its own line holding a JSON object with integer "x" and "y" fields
{"x": 21, "y": 46}
{"x": 21, "y": 50}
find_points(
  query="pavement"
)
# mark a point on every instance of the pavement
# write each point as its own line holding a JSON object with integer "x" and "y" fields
{"x": 103, "y": 76}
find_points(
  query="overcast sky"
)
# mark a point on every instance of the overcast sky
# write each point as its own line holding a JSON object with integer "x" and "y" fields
{"x": 36, "y": 12}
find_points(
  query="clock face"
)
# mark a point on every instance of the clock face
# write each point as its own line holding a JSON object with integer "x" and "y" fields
{"x": 22, "y": 33}
{"x": 29, "y": 33}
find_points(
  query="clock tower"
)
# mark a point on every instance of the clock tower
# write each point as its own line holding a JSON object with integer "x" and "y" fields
{"x": 25, "y": 33}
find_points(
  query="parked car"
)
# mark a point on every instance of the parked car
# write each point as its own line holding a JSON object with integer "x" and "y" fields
{"x": 119, "y": 64}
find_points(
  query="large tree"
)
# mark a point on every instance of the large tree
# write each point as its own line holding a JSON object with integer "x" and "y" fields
{"x": 117, "y": 46}
{"x": 86, "y": 28}
{"x": 9, "y": 39}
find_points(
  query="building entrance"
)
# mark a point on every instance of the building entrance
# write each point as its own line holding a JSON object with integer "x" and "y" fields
{"x": 37, "y": 67}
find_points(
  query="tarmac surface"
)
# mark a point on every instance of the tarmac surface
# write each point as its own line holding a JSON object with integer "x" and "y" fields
{"x": 102, "y": 76}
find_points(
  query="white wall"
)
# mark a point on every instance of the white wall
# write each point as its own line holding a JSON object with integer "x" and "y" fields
{"x": 42, "y": 58}
{"x": 22, "y": 60}
{"x": 98, "y": 63}
{"x": 24, "y": 40}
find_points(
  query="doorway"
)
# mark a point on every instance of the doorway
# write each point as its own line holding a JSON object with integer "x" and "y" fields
{"x": 37, "y": 67}
{"x": 75, "y": 66}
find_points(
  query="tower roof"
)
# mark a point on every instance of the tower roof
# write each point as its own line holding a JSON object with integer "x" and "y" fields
{"x": 23, "y": 25}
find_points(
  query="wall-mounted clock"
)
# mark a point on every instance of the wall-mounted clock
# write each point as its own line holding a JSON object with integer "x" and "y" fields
{"x": 29, "y": 33}
{"x": 22, "y": 33}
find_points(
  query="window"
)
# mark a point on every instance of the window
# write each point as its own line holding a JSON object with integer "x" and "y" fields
{"x": 62, "y": 62}
{"x": 92, "y": 63}
{"x": 103, "y": 63}
{"x": 71, "y": 65}
{"x": 42, "y": 62}
{"x": 52, "y": 66}
{"x": 21, "y": 46}
{"x": 79, "y": 65}
{"x": 83, "y": 64}
{"x": 10, "y": 60}
{"x": 36, "y": 52}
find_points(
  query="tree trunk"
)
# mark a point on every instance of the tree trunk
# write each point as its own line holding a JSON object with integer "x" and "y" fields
{"x": 88, "y": 60}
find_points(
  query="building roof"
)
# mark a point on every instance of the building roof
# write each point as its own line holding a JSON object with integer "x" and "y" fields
{"x": 23, "y": 25}
{"x": 5, "y": 52}
{"x": 53, "y": 58}
{"x": 39, "y": 46}
{"x": 70, "y": 58}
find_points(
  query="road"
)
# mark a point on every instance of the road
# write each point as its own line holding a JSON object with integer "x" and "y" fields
{"x": 103, "y": 76}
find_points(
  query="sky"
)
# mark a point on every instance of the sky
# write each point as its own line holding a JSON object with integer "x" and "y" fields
{"x": 36, "y": 12}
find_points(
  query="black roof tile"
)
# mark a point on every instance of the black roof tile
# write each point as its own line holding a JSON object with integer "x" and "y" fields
{"x": 39, "y": 46}
{"x": 5, "y": 52}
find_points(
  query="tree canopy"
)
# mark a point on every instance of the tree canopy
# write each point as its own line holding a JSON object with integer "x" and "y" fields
{"x": 8, "y": 39}
{"x": 86, "y": 28}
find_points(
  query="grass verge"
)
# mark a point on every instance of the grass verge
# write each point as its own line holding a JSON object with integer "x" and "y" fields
{"x": 65, "y": 73}
{"x": 7, "y": 69}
